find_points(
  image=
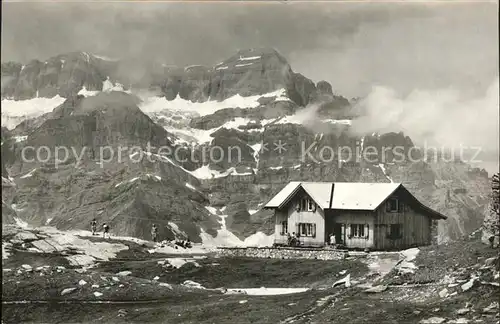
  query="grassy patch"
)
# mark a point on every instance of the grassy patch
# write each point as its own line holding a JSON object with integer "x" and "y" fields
{"x": 235, "y": 272}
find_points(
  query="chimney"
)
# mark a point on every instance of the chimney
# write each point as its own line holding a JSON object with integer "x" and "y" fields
{"x": 331, "y": 194}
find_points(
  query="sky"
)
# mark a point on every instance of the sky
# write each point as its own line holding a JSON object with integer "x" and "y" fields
{"x": 354, "y": 46}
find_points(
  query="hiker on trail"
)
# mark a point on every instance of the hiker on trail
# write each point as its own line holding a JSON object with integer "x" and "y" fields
{"x": 154, "y": 233}
{"x": 93, "y": 225}
{"x": 106, "y": 230}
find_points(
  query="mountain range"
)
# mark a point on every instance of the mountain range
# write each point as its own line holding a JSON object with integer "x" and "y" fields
{"x": 252, "y": 105}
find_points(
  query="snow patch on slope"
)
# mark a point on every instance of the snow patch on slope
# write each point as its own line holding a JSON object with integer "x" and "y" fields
{"x": 21, "y": 223}
{"x": 205, "y": 172}
{"x": 201, "y": 136}
{"x": 105, "y": 58}
{"x": 87, "y": 93}
{"x": 29, "y": 174}
{"x": 382, "y": 166}
{"x": 16, "y": 111}
{"x": 249, "y": 58}
{"x": 225, "y": 238}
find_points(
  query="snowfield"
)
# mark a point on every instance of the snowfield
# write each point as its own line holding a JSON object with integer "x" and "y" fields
{"x": 158, "y": 104}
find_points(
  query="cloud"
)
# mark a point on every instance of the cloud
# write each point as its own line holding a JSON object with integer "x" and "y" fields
{"x": 180, "y": 33}
{"x": 441, "y": 118}
{"x": 352, "y": 45}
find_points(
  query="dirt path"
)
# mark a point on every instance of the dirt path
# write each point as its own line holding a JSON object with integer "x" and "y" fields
{"x": 321, "y": 304}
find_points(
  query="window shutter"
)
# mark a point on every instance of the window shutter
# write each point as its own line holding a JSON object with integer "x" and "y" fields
{"x": 314, "y": 208}
{"x": 297, "y": 229}
{"x": 348, "y": 230}
{"x": 388, "y": 206}
{"x": 367, "y": 231}
{"x": 400, "y": 206}
{"x": 313, "y": 230}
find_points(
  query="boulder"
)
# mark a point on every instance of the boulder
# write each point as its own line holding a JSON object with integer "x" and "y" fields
{"x": 346, "y": 281}
{"x": 67, "y": 291}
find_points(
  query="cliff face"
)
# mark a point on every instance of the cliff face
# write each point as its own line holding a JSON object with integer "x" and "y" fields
{"x": 277, "y": 124}
{"x": 491, "y": 225}
{"x": 62, "y": 75}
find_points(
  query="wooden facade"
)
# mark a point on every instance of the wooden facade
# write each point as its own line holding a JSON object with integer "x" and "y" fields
{"x": 295, "y": 218}
{"x": 399, "y": 222}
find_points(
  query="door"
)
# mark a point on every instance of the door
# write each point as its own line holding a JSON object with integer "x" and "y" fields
{"x": 339, "y": 232}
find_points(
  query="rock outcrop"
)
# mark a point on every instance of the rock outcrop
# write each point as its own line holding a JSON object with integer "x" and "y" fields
{"x": 64, "y": 75}
{"x": 491, "y": 225}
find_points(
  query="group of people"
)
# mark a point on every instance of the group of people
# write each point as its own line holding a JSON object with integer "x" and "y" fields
{"x": 154, "y": 234}
{"x": 293, "y": 240}
{"x": 184, "y": 243}
{"x": 105, "y": 228}
{"x": 181, "y": 243}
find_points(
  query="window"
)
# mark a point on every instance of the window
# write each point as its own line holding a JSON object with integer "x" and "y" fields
{"x": 306, "y": 204}
{"x": 310, "y": 205}
{"x": 395, "y": 231}
{"x": 284, "y": 228}
{"x": 307, "y": 229}
{"x": 393, "y": 205}
{"x": 357, "y": 230}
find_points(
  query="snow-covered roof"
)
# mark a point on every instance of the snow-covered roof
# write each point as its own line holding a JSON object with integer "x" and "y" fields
{"x": 346, "y": 195}
{"x": 283, "y": 195}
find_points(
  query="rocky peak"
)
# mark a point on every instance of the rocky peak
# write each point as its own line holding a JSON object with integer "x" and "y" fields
{"x": 62, "y": 75}
{"x": 248, "y": 72}
{"x": 324, "y": 88}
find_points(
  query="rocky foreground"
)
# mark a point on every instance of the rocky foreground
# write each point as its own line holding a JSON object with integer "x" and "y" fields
{"x": 53, "y": 276}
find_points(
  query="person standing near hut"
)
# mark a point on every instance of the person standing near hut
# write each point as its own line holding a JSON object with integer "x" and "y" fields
{"x": 93, "y": 226}
{"x": 332, "y": 240}
{"x": 154, "y": 233}
{"x": 106, "y": 230}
